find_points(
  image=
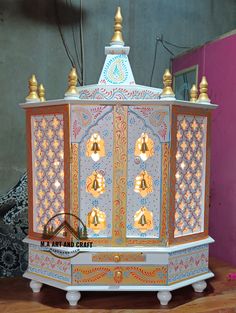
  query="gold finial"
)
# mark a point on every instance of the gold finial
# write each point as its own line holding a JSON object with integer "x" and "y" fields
{"x": 203, "y": 96}
{"x": 193, "y": 93}
{"x": 167, "y": 82}
{"x": 117, "y": 36}
{"x": 72, "y": 82}
{"x": 41, "y": 92}
{"x": 33, "y": 87}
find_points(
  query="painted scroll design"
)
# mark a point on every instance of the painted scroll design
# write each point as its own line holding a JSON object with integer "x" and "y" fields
{"x": 155, "y": 119}
{"x": 130, "y": 275}
{"x": 119, "y": 93}
{"x": 119, "y": 175}
{"x": 75, "y": 183}
{"x": 124, "y": 257}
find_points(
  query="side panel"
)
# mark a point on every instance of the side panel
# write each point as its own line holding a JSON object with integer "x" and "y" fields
{"x": 187, "y": 263}
{"x": 48, "y": 167}
{"x": 153, "y": 121}
{"x": 46, "y": 265}
{"x": 87, "y": 120}
{"x": 189, "y": 174}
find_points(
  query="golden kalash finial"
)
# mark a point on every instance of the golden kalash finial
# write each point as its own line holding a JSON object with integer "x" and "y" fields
{"x": 167, "y": 82}
{"x": 203, "y": 96}
{"x": 41, "y": 92}
{"x": 193, "y": 93}
{"x": 72, "y": 82}
{"x": 117, "y": 37}
{"x": 33, "y": 88}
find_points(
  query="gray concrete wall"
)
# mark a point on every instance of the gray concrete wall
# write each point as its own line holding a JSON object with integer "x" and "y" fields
{"x": 30, "y": 43}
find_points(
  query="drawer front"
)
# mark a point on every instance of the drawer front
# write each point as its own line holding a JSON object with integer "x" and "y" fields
{"x": 118, "y": 257}
{"x": 119, "y": 275}
{"x": 121, "y": 258}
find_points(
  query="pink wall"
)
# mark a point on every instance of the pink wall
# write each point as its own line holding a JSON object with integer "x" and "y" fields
{"x": 220, "y": 70}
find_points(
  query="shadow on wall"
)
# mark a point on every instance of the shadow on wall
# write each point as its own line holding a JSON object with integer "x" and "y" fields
{"x": 44, "y": 11}
{"x": 13, "y": 229}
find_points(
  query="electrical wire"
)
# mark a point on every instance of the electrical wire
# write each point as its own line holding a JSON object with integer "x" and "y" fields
{"x": 154, "y": 62}
{"x": 58, "y": 21}
{"x": 82, "y": 44}
{"x": 176, "y": 46}
{"x": 163, "y": 43}
{"x": 75, "y": 46}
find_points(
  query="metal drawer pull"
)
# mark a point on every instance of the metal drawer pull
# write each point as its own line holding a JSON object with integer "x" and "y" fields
{"x": 116, "y": 258}
{"x": 118, "y": 277}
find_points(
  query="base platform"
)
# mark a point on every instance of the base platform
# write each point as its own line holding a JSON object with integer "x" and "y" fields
{"x": 161, "y": 269}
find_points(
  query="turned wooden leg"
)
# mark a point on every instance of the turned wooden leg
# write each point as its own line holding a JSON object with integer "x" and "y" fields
{"x": 199, "y": 286}
{"x": 164, "y": 297}
{"x": 73, "y": 297}
{"x": 35, "y": 285}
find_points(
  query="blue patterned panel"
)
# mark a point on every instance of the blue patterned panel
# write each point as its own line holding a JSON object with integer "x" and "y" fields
{"x": 188, "y": 263}
{"x": 116, "y": 71}
{"x": 136, "y": 126}
{"x": 104, "y": 127}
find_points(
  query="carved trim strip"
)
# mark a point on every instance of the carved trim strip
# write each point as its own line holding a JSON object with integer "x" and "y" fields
{"x": 75, "y": 183}
{"x": 123, "y": 257}
{"x": 119, "y": 175}
{"x": 165, "y": 172}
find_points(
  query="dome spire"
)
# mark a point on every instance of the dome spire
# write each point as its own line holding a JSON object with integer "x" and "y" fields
{"x": 117, "y": 38}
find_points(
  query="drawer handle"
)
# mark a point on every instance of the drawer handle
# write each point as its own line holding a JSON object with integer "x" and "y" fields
{"x": 117, "y": 258}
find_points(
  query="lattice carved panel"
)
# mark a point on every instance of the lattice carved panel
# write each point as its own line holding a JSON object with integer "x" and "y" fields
{"x": 190, "y": 174}
{"x": 48, "y": 169}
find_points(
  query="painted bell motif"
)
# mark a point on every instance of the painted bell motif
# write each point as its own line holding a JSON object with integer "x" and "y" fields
{"x": 143, "y": 220}
{"x": 143, "y": 184}
{"x": 95, "y": 184}
{"x": 95, "y": 147}
{"x": 96, "y": 220}
{"x": 144, "y": 147}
